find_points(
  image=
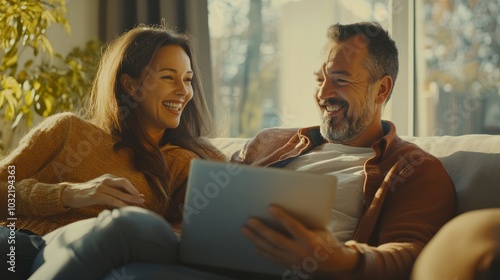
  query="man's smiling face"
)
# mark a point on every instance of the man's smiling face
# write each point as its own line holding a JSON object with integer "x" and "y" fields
{"x": 345, "y": 97}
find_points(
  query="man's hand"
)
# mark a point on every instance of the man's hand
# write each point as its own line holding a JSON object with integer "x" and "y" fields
{"x": 106, "y": 189}
{"x": 332, "y": 257}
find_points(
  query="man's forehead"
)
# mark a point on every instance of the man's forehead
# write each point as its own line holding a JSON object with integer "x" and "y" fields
{"x": 349, "y": 52}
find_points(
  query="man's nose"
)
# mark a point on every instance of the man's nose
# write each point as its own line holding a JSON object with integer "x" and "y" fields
{"x": 326, "y": 90}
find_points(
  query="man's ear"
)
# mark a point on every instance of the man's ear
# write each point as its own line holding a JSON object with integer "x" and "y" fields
{"x": 128, "y": 84}
{"x": 384, "y": 89}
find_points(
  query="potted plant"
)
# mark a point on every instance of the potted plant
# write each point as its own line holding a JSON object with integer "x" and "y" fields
{"x": 34, "y": 79}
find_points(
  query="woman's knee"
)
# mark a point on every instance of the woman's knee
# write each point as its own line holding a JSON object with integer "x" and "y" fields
{"x": 487, "y": 220}
{"x": 474, "y": 226}
{"x": 135, "y": 222}
{"x": 467, "y": 246}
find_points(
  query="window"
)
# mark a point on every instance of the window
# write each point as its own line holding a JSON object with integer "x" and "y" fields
{"x": 457, "y": 74}
{"x": 264, "y": 53}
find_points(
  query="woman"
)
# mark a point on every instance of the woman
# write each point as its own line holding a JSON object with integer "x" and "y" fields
{"x": 467, "y": 247}
{"x": 146, "y": 117}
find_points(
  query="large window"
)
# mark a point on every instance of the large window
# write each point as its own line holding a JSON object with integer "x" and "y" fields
{"x": 264, "y": 53}
{"x": 457, "y": 67}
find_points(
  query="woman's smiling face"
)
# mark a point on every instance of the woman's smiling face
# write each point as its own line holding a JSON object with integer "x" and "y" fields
{"x": 163, "y": 90}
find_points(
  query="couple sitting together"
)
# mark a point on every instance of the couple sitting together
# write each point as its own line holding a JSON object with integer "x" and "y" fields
{"x": 102, "y": 190}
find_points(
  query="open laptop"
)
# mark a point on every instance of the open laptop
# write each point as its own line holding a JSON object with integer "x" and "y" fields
{"x": 220, "y": 198}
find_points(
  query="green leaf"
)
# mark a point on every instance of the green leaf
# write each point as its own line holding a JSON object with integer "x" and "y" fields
{"x": 23, "y": 75}
{"x": 11, "y": 100}
{"x": 36, "y": 85}
{"x": 7, "y": 83}
{"x": 47, "y": 45}
{"x": 30, "y": 96}
{"x": 17, "y": 120}
{"x": 48, "y": 100}
{"x": 12, "y": 85}
{"x": 39, "y": 108}
{"x": 18, "y": 92}
{"x": 28, "y": 63}
{"x": 2, "y": 99}
{"x": 29, "y": 118}
{"x": 26, "y": 85}
{"x": 9, "y": 113}
{"x": 9, "y": 61}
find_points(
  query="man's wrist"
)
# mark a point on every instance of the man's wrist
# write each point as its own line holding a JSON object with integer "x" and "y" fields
{"x": 345, "y": 266}
{"x": 355, "y": 259}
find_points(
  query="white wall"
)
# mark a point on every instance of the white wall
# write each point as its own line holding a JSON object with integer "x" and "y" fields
{"x": 302, "y": 36}
{"x": 83, "y": 17}
{"x": 300, "y": 43}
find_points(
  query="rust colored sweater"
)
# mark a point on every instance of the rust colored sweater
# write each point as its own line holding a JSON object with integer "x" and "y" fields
{"x": 408, "y": 196}
{"x": 65, "y": 148}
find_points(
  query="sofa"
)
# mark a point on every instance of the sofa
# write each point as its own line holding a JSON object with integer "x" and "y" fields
{"x": 472, "y": 161}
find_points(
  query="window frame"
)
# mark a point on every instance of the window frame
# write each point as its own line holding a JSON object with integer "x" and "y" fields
{"x": 403, "y": 32}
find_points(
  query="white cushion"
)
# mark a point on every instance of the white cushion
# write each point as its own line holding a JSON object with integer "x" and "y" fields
{"x": 472, "y": 161}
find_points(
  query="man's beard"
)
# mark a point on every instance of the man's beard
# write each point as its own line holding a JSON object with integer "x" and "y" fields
{"x": 350, "y": 127}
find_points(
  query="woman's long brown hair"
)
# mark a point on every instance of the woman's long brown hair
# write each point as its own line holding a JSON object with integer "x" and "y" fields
{"x": 111, "y": 108}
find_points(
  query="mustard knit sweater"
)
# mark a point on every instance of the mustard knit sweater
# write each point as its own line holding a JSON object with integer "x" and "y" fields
{"x": 66, "y": 149}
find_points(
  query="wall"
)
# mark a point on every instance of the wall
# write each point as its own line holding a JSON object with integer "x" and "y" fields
{"x": 302, "y": 36}
{"x": 83, "y": 18}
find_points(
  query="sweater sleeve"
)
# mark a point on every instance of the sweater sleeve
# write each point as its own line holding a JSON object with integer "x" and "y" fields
{"x": 260, "y": 151}
{"x": 420, "y": 200}
{"x": 178, "y": 161}
{"x": 35, "y": 151}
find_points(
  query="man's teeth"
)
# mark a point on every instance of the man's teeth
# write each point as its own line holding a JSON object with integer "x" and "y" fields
{"x": 171, "y": 105}
{"x": 333, "y": 108}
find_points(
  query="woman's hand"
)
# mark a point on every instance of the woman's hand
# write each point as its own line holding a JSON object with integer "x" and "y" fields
{"x": 307, "y": 251}
{"x": 106, "y": 190}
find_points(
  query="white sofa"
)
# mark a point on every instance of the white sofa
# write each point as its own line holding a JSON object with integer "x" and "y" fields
{"x": 473, "y": 162}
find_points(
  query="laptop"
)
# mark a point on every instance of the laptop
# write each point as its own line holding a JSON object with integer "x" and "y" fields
{"x": 220, "y": 198}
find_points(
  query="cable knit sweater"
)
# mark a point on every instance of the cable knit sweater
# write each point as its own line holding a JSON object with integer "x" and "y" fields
{"x": 67, "y": 149}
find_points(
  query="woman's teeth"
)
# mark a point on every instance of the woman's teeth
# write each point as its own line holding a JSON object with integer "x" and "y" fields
{"x": 174, "y": 106}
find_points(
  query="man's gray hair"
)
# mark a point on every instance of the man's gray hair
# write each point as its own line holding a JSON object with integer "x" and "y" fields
{"x": 382, "y": 56}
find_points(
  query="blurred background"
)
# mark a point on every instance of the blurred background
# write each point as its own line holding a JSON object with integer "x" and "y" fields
{"x": 257, "y": 58}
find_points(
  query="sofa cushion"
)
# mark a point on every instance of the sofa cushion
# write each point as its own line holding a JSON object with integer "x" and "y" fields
{"x": 472, "y": 161}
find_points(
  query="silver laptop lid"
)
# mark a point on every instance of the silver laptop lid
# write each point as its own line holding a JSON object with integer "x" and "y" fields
{"x": 220, "y": 198}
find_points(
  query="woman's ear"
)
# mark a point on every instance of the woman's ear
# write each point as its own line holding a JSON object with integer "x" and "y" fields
{"x": 128, "y": 84}
{"x": 384, "y": 89}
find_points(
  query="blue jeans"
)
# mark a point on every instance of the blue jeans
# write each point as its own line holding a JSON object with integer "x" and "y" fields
{"x": 18, "y": 249}
{"x": 125, "y": 243}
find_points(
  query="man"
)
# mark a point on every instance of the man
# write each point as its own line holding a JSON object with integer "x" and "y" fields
{"x": 392, "y": 196}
